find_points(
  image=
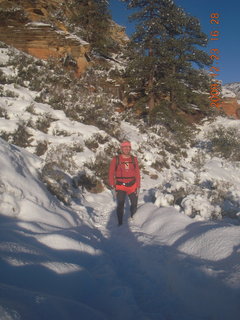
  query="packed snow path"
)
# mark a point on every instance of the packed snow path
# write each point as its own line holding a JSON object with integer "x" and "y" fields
{"x": 176, "y": 268}
{"x": 76, "y": 263}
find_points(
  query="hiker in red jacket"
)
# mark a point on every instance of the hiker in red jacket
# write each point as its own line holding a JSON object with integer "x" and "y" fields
{"x": 124, "y": 178}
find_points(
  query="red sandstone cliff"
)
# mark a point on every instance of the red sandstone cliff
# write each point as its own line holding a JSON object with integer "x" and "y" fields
{"x": 41, "y": 29}
{"x": 231, "y": 107}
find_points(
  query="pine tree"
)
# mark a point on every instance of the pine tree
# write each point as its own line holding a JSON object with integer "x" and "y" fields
{"x": 94, "y": 17}
{"x": 166, "y": 44}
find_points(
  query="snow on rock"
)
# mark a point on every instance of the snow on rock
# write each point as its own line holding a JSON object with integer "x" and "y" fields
{"x": 232, "y": 87}
{"x": 228, "y": 93}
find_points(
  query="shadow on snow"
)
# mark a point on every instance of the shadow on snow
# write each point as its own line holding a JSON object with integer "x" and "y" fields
{"x": 126, "y": 275}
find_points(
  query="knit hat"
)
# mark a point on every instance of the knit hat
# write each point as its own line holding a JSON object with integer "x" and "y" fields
{"x": 126, "y": 144}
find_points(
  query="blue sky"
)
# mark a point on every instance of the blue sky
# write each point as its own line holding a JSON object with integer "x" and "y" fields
{"x": 229, "y": 28}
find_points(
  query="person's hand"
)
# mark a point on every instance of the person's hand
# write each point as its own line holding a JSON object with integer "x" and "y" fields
{"x": 113, "y": 191}
{"x": 137, "y": 191}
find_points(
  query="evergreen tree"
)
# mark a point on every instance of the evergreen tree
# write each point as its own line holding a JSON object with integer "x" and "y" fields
{"x": 94, "y": 17}
{"x": 166, "y": 44}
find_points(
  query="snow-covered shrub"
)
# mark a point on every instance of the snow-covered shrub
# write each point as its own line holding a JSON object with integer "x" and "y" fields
{"x": 61, "y": 132}
{"x": 9, "y": 94}
{"x": 199, "y": 206}
{"x": 3, "y": 113}
{"x": 99, "y": 166}
{"x": 31, "y": 109}
{"x": 59, "y": 183}
{"x": 164, "y": 199}
{"x": 62, "y": 155}
{"x": 111, "y": 149}
{"x": 171, "y": 147}
{"x": 3, "y": 77}
{"x": 91, "y": 144}
{"x": 5, "y": 135}
{"x": 43, "y": 122}
{"x": 73, "y": 113}
{"x": 226, "y": 195}
{"x": 21, "y": 137}
{"x": 25, "y": 67}
{"x": 88, "y": 182}
{"x": 59, "y": 171}
{"x": 159, "y": 165}
{"x": 57, "y": 100}
{"x": 41, "y": 148}
{"x": 101, "y": 138}
{"x": 96, "y": 140}
{"x": 203, "y": 201}
{"x": 225, "y": 142}
{"x": 77, "y": 147}
{"x": 100, "y": 113}
{"x": 198, "y": 160}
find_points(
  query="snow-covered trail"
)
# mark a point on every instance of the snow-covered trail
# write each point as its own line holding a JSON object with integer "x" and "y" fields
{"x": 166, "y": 282}
{"x": 103, "y": 271}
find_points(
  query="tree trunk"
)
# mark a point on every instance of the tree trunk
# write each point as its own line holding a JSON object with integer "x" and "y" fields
{"x": 172, "y": 91}
{"x": 151, "y": 100}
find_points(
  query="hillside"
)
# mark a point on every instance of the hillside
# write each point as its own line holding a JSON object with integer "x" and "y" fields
{"x": 79, "y": 133}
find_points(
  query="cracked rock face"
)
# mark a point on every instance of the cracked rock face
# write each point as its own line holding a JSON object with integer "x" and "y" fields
{"x": 38, "y": 28}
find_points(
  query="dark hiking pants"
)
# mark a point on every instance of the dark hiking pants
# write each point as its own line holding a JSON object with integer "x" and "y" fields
{"x": 121, "y": 196}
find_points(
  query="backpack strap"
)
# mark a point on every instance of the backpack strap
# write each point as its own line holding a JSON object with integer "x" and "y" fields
{"x": 133, "y": 161}
{"x": 117, "y": 162}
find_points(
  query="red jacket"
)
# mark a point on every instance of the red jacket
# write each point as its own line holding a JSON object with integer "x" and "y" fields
{"x": 126, "y": 168}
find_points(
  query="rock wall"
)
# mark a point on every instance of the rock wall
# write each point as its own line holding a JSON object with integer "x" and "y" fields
{"x": 35, "y": 28}
{"x": 231, "y": 107}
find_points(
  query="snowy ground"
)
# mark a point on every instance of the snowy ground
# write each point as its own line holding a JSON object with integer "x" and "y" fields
{"x": 61, "y": 263}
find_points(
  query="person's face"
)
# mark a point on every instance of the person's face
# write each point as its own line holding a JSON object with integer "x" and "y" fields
{"x": 126, "y": 150}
